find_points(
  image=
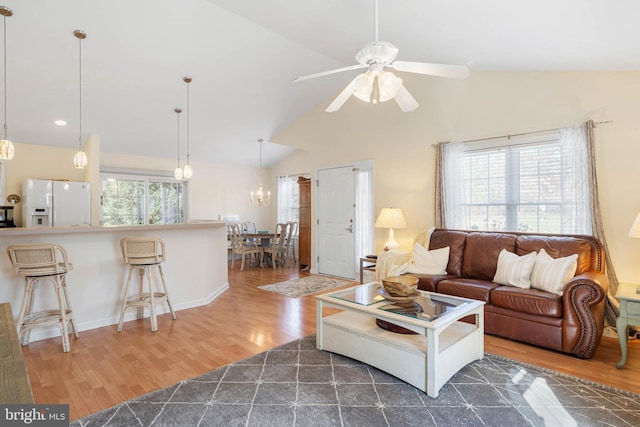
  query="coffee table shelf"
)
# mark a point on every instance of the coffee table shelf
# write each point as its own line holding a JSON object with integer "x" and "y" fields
{"x": 426, "y": 360}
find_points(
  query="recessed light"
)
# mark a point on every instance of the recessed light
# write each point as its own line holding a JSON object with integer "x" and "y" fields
{"x": 60, "y": 123}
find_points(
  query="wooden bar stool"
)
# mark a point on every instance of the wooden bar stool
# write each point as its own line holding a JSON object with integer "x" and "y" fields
{"x": 146, "y": 254}
{"x": 43, "y": 263}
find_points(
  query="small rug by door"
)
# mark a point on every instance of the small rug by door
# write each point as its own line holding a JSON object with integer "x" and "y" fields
{"x": 305, "y": 286}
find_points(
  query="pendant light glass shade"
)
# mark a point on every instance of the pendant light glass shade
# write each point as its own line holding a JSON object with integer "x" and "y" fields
{"x": 6, "y": 149}
{"x": 187, "y": 171}
{"x": 80, "y": 159}
{"x": 178, "y": 172}
{"x": 6, "y": 146}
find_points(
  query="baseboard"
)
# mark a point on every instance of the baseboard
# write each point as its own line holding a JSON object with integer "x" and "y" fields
{"x": 53, "y": 331}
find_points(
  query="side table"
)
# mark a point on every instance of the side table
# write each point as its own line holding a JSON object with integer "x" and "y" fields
{"x": 629, "y": 315}
{"x": 368, "y": 263}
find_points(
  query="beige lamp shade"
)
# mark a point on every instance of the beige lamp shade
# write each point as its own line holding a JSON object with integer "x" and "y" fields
{"x": 635, "y": 228}
{"x": 391, "y": 218}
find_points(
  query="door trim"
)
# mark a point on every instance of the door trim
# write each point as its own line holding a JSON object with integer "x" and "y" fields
{"x": 361, "y": 164}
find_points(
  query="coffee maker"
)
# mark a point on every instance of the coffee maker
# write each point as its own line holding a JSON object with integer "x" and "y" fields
{"x": 6, "y": 217}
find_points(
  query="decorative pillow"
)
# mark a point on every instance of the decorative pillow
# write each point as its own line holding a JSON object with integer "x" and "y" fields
{"x": 428, "y": 262}
{"x": 514, "y": 270}
{"x": 551, "y": 274}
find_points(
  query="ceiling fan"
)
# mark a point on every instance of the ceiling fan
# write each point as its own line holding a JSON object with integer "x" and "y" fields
{"x": 378, "y": 85}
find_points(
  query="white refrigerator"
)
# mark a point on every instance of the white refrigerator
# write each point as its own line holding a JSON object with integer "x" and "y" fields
{"x": 48, "y": 203}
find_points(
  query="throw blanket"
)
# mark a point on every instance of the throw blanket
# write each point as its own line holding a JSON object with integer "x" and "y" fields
{"x": 397, "y": 261}
{"x": 392, "y": 263}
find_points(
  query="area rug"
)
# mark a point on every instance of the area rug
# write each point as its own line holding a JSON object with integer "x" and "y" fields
{"x": 305, "y": 286}
{"x": 297, "y": 385}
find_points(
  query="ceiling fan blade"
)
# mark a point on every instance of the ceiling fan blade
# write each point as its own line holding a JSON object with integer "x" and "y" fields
{"x": 440, "y": 70}
{"x": 342, "y": 98}
{"x": 405, "y": 100}
{"x": 326, "y": 73}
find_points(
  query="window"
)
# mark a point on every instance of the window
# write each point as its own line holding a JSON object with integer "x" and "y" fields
{"x": 526, "y": 184}
{"x": 288, "y": 198}
{"x": 130, "y": 200}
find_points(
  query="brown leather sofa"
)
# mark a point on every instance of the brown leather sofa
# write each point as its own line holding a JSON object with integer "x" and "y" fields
{"x": 572, "y": 323}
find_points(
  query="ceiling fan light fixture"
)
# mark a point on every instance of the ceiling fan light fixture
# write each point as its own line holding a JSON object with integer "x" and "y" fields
{"x": 388, "y": 85}
{"x": 363, "y": 86}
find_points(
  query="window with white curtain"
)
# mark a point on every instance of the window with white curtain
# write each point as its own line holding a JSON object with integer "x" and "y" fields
{"x": 289, "y": 198}
{"x": 531, "y": 183}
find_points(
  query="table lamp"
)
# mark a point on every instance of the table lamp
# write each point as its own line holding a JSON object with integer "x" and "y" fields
{"x": 635, "y": 228}
{"x": 391, "y": 218}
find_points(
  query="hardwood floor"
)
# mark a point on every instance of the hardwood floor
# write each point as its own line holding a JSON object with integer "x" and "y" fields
{"x": 105, "y": 367}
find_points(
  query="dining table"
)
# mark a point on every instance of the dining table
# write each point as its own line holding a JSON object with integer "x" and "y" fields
{"x": 265, "y": 240}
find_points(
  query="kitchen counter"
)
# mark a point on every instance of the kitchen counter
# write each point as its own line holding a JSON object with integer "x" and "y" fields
{"x": 195, "y": 269}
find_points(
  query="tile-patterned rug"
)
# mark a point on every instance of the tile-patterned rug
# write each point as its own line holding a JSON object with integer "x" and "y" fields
{"x": 297, "y": 385}
{"x": 305, "y": 285}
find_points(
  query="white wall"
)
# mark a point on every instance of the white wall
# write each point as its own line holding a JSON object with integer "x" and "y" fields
{"x": 486, "y": 104}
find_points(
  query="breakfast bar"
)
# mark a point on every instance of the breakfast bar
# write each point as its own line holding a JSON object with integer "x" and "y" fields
{"x": 195, "y": 269}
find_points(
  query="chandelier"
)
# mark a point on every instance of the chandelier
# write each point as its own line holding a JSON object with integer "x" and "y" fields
{"x": 258, "y": 198}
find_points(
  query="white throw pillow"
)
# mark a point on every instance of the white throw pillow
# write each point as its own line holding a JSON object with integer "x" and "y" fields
{"x": 514, "y": 270}
{"x": 551, "y": 274}
{"x": 428, "y": 262}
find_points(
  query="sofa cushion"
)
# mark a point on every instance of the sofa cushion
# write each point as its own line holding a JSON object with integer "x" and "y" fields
{"x": 455, "y": 240}
{"x": 550, "y": 274}
{"x": 481, "y": 251}
{"x": 514, "y": 270}
{"x": 559, "y": 247}
{"x": 530, "y": 301}
{"x": 424, "y": 261}
{"x": 467, "y": 288}
{"x": 429, "y": 282}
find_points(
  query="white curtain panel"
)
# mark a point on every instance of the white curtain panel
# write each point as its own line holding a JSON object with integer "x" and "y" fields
{"x": 453, "y": 182}
{"x": 286, "y": 187}
{"x": 364, "y": 218}
{"x": 575, "y": 178}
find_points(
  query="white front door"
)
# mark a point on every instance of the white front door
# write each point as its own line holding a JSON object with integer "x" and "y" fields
{"x": 336, "y": 215}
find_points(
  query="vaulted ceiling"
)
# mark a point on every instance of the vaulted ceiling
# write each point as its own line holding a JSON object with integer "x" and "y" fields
{"x": 243, "y": 55}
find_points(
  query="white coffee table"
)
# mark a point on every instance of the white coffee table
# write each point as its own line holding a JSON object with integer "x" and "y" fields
{"x": 427, "y": 360}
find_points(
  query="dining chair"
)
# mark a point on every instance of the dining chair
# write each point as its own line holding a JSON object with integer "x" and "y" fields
{"x": 279, "y": 248}
{"x": 240, "y": 247}
{"x": 292, "y": 240}
{"x": 250, "y": 228}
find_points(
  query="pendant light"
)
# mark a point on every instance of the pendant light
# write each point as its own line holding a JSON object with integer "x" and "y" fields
{"x": 187, "y": 172}
{"x": 80, "y": 159}
{"x": 259, "y": 200}
{"x": 6, "y": 146}
{"x": 178, "y": 172}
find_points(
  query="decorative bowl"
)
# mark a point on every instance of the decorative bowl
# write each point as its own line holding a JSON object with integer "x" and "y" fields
{"x": 400, "y": 286}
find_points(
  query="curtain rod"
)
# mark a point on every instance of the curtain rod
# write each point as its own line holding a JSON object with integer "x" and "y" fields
{"x": 509, "y": 136}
